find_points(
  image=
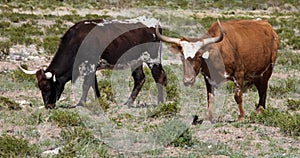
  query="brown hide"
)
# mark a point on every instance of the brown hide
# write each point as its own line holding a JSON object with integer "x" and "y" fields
{"x": 247, "y": 52}
{"x": 248, "y": 45}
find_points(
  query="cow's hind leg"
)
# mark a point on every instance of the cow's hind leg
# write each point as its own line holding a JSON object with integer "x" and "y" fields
{"x": 139, "y": 79}
{"x": 262, "y": 85}
{"x": 160, "y": 78}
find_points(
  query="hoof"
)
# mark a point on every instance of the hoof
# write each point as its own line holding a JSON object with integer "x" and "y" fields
{"x": 129, "y": 102}
{"x": 259, "y": 110}
{"x": 241, "y": 118}
{"x": 196, "y": 120}
{"x": 80, "y": 104}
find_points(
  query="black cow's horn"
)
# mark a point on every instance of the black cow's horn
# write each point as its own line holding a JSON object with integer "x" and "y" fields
{"x": 214, "y": 39}
{"x": 165, "y": 38}
{"x": 29, "y": 72}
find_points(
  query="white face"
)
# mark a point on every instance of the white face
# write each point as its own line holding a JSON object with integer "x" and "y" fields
{"x": 190, "y": 48}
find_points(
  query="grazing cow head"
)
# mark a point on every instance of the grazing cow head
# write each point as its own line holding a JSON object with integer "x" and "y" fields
{"x": 47, "y": 85}
{"x": 192, "y": 52}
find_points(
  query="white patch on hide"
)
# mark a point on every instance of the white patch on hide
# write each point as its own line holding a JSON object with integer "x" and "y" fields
{"x": 149, "y": 22}
{"x": 190, "y": 48}
{"x": 226, "y": 75}
{"x": 86, "y": 69}
{"x": 205, "y": 55}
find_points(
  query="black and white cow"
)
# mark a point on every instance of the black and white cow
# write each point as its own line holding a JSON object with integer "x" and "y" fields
{"x": 91, "y": 45}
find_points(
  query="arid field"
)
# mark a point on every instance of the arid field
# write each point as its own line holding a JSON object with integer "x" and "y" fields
{"x": 30, "y": 33}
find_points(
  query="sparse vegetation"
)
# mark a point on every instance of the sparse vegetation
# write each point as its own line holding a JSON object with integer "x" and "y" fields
{"x": 29, "y": 131}
{"x": 11, "y": 146}
{"x": 288, "y": 123}
{"x": 7, "y": 103}
{"x": 65, "y": 118}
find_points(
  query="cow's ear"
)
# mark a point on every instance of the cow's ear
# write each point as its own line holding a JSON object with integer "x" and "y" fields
{"x": 174, "y": 48}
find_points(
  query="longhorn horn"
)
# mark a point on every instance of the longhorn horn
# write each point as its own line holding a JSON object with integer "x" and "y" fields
{"x": 48, "y": 75}
{"x": 214, "y": 39}
{"x": 29, "y": 72}
{"x": 165, "y": 38}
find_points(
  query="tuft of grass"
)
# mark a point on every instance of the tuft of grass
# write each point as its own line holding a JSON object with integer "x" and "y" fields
{"x": 293, "y": 104}
{"x": 4, "y": 49}
{"x": 6, "y": 102}
{"x": 184, "y": 140}
{"x": 288, "y": 123}
{"x": 20, "y": 76}
{"x": 76, "y": 142}
{"x": 4, "y": 24}
{"x": 288, "y": 60}
{"x": 65, "y": 118}
{"x": 282, "y": 88}
{"x": 172, "y": 87}
{"x": 164, "y": 110}
{"x": 11, "y": 146}
{"x": 50, "y": 44}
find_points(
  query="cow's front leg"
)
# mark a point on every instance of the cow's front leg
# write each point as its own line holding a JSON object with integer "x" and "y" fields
{"x": 160, "y": 78}
{"x": 210, "y": 100}
{"x": 238, "y": 96}
{"x": 139, "y": 79}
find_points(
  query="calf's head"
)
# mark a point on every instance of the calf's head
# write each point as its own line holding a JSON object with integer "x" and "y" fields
{"x": 47, "y": 85}
{"x": 192, "y": 52}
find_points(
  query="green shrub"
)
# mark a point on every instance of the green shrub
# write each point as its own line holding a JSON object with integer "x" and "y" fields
{"x": 164, "y": 110}
{"x": 50, "y": 44}
{"x": 184, "y": 140}
{"x": 65, "y": 117}
{"x": 288, "y": 123}
{"x": 7, "y": 103}
{"x": 282, "y": 88}
{"x": 10, "y": 146}
{"x": 293, "y": 104}
{"x": 4, "y": 24}
{"x": 20, "y": 76}
{"x": 76, "y": 142}
{"x": 4, "y": 49}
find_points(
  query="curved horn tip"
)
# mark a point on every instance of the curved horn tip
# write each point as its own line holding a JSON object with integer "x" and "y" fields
{"x": 27, "y": 71}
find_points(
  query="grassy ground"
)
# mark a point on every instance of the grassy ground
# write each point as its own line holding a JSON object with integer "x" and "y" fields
{"x": 30, "y": 33}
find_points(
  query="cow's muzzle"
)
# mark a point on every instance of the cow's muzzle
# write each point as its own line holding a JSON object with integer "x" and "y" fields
{"x": 189, "y": 81}
{"x": 49, "y": 106}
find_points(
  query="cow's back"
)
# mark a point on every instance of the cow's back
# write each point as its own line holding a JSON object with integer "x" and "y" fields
{"x": 252, "y": 43}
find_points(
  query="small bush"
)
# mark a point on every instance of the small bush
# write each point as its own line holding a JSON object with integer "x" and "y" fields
{"x": 10, "y": 146}
{"x": 281, "y": 89}
{"x": 7, "y": 103}
{"x": 50, "y": 44}
{"x": 20, "y": 76}
{"x": 293, "y": 104}
{"x": 184, "y": 140}
{"x": 77, "y": 140}
{"x": 4, "y": 24}
{"x": 4, "y": 49}
{"x": 288, "y": 123}
{"x": 164, "y": 109}
{"x": 65, "y": 118}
